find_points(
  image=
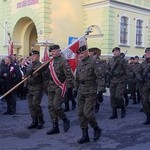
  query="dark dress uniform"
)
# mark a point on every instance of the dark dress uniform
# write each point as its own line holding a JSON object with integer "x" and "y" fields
{"x": 89, "y": 79}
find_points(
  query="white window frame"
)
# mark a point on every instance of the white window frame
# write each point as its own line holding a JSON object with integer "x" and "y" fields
{"x": 128, "y": 31}
{"x": 143, "y": 31}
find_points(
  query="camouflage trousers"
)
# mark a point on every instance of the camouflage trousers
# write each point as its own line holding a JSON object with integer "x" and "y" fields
{"x": 55, "y": 105}
{"x": 86, "y": 107}
{"x": 146, "y": 97}
{"x": 34, "y": 100}
{"x": 117, "y": 90}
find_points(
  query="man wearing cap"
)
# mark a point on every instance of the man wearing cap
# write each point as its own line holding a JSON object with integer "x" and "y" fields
{"x": 35, "y": 91}
{"x": 143, "y": 75}
{"x": 60, "y": 82}
{"x": 95, "y": 53}
{"x": 119, "y": 69}
{"x": 89, "y": 80}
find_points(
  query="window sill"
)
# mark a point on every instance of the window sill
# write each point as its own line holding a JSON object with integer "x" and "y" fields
{"x": 137, "y": 46}
{"x": 123, "y": 45}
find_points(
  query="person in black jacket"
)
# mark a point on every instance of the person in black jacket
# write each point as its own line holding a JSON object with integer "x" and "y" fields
{"x": 11, "y": 75}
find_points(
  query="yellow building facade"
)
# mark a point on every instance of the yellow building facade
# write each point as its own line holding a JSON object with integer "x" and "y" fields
{"x": 31, "y": 23}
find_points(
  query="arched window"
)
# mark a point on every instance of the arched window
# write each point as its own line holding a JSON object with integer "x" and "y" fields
{"x": 139, "y": 33}
{"x": 124, "y": 30}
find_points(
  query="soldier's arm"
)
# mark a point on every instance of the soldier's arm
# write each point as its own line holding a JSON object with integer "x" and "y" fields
{"x": 76, "y": 80}
{"x": 68, "y": 73}
{"x": 100, "y": 75}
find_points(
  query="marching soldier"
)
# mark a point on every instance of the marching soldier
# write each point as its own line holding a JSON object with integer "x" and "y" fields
{"x": 89, "y": 79}
{"x": 119, "y": 69}
{"x": 35, "y": 92}
{"x": 143, "y": 75}
{"x": 60, "y": 81}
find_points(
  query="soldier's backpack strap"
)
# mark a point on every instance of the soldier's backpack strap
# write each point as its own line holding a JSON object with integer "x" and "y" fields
{"x": 56, "y": 80}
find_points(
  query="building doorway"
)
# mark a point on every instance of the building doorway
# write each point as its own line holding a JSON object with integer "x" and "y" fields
{"x": 24, "y": 37}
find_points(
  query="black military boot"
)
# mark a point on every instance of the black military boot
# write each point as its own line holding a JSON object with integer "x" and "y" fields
{"x": 97, "y": 133}
{"x": 123, "y": 112}
{"x": 54, "y": 130}
{"x": 34, "y": 123}
{"x": 147, "y": 121}
{"x": 66, "y": 124}
{"x": 85, "y": 137}
{"x": 73, "y": 104}
{"x": 40, "y": 123}
{"x": 138, "y": 97}
{"x": 114, "y": 114}
{"x": 97, "y": 107}
{"x": 126, "y": 99}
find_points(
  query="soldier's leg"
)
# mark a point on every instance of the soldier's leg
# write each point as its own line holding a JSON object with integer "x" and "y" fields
{"x": 146, "y": 104}
{"x": 53, "y": 115}
{"x": 34, "y": 122}
{"x": 8, "y": 99}
{"x": 58, "y": 100}
{"x": 120, "y": 90}
{"x": 113, "y": 101}
{"x": 83, "y": 120}
{"x": 89, "y": 107}
{"x": 37, "y": 98}
{"x": 13, "y": 103}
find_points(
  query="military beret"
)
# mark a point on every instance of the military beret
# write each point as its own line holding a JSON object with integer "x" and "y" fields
{"x": 116, "y": 49}
{"x": 34, "y": 52}
{"x": 82, "y": 48}
{"x": 91, "y": 50}
{"x": 131, "y": 58}
{"x": 136, "y": 57}
{"x": 53, "y": 47}
{"x": 147, "y": 49}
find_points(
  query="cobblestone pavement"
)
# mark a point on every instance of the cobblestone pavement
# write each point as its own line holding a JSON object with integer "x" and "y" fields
{"x": 118, "y": 134}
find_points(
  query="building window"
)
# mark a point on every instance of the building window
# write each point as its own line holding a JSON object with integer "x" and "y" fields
{"x": 124, "y": 31}
{"x": 139, "y": 35}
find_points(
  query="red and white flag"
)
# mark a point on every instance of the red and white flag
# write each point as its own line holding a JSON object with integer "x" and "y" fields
{"x": 46, "y": 54}
{"x": 70, "y": 51}
{"x": 10, "y": 48}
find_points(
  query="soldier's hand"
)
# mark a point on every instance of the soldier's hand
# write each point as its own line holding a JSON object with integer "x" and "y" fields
{"x": 75, "y": 93}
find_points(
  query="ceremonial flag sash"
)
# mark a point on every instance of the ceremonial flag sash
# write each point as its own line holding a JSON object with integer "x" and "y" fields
{"x": 56, "y": 80}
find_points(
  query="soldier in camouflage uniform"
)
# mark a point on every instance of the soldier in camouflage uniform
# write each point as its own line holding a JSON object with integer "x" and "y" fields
{"x": 63, "y": 73}
{"x": 118, "y": 71}
{"x": 95, "y": 53}
{"x": 143, "y": 75}
{"x": 89, "y": 79}
{"x": 35, "y": 92}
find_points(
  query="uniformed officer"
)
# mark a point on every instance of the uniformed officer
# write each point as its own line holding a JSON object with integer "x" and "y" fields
{"x": 35, "y": 91}
{"x": 88, "y": 80}
{"x": 60, "y": 81}
{"x": 143, "y": 75}
{"x": 119, "y": 70}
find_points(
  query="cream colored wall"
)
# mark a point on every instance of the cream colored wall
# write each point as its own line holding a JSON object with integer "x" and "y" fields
{"x": 67, "y": 20}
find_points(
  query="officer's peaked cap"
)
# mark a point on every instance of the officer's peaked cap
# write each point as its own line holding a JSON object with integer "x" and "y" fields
{"x": 82, "y": 48}
{"x": 53, "y": 47}
{"x": 116, "y": 49}
{"x": 147, "y": 49}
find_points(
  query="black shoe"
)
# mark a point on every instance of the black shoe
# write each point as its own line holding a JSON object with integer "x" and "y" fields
{"x": 66, "y": 107}
{"x": 66, "y": 124}
{"x": 40, "y": 123}
{"x": 6, "y": 113}
{"x": 97, "y": 107}
{"x": 34, "y": 123}
{"x": 54, "y": 130}
{"x": 114, "y": 114}
{"x": 85, "y": 138}
{"x": 123, "y": 112}
{"x": 97, "y": 133}
{"x": 12, "y": 113}
{"x": 141, "y": 110}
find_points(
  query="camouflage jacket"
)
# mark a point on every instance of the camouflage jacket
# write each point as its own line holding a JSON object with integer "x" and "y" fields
{"x": 119, "y": 69}
{"x": 63, "y": 72}
{"x": 36, "y": 80}
{"x": 143, "y": 71}
{"x": 89, "y": 76}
